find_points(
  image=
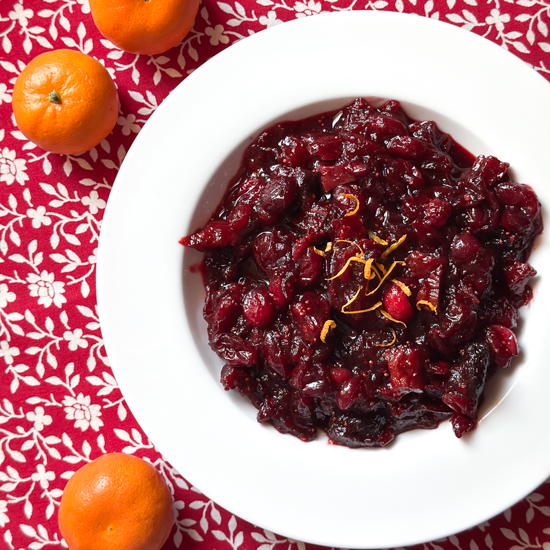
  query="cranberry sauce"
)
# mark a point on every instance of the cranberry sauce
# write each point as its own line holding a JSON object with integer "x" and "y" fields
{"x": 364, "y": 275}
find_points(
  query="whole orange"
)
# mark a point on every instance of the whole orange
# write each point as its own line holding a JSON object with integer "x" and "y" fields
{"x": 116, "y": 502}
{"x": 65, "y": 102}
{"x": 144, "y": 26}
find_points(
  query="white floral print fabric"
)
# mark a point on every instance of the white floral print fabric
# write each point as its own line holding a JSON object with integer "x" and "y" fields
{"x": 60, "y": 405}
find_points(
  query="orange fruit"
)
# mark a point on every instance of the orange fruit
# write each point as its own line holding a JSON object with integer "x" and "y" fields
{"x": 65, "y": 101}
{"x": 116, "y": 502}
{"x": 144, "y": 26}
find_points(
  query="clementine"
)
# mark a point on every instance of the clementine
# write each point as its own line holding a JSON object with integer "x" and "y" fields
{"x": 116, "y": 502}
{"x": 65, "y": 101}
{"x": 144, "y": 26}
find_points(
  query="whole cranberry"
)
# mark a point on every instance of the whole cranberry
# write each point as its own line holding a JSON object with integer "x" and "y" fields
{"x": 397, "y": 304}
{"x": 258, "y": 307}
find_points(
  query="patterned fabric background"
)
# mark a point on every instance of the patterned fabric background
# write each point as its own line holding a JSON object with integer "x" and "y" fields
{"x": 60, "y": 406}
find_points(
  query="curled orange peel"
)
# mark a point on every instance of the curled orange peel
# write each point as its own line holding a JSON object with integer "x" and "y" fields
{"x": 377, "y": 239}
{"x": 426, "y": 303}
{"x": 368, "y": 272}
{"x": 346, "y": 265}
{"x": 329, "y": 324}
{"x": 328, "y": 248}
{"x": 375, "y": 306}
{"x": 388, "y": 316}
{"x": 392, "y": 247}
{"x": 352, "y": 197}
{"x": 382, "y": 279}
{"x": 402, "y": 286}
{"x": 361, "y": 252}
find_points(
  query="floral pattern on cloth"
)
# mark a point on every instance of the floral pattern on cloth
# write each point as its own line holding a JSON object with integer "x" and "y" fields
{"x": 60, "y": 406}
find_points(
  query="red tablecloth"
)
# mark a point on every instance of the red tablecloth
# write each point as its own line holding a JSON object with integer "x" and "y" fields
{"x": 60, "y": 406}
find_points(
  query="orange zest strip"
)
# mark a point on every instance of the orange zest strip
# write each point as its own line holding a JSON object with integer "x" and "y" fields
{"x": 391, "y": 343}
{"x": 391, "y": 248}
{"x": 388, "y": 316}
{"x": 343, "y": 270}
{"x": 375, "y": 273}
{"x": 352, "y": 197}
{"x": 367, "y": 273}
{"x": 377, "y": 239}
{"x": 351, "y": 242}
{"x": 426, "y": 303}
{"x": 330, "y": 324}
{"x": 402, "y": 286}
{"x": 328, "y": 248}
{"x": 350, "y": 301}
{"x": 390, "y": 269}
{"x": 381, "y": 267}
{"x": 375, "y": 306}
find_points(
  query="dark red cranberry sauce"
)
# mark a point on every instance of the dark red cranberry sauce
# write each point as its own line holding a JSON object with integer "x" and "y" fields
{"x": 364, "y": 275}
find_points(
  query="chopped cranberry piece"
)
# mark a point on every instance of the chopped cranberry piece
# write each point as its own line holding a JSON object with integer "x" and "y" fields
{"x": 466, "y": 380}
{"x": 430, "y": 290}
{"x": 339, "y": 375}
{"x": 235, "y": 378}
{"x": 334, "y": 175}
{"x": 503, "y": 344}
{"x": 283, "y": 411}
{"x": 439, "y": 367}
{"x": 309, "y": 267}
{"x": 234, "y": 350}
{"x": 309, "y": 313}
{"x": 406, "y": 367}
{"x": 325, "y": 146}
{"x": 518, "y": 195}
{"x": 486, "y": 171}
{"x": 349, "y": 392}
{"x": 421, "y": 264}
{"x": 224, "y": 307}
{"x": 514, "y": 219}
{"x": 257, "y": 307}
{"x": 474, "y": 261}
{"x": 272, "y": 251}
{"x": 406, "y": 146}
{"x": 360, "y": 430}
{"x": 518, "y": 275}
{"x": 281, "y": 288}
{"x": 312, "y": 379}
{"x": 462, "y": 424}
{"x": 458, "y": 323}
{"x": 437, "y": 212}
{"x": 277, "y": 196}
{"x": 293, "y": 151}
{"x": 215, "y": 233}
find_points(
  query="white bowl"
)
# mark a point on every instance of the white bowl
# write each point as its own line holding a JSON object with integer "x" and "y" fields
{"x": 426, "y": 485}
